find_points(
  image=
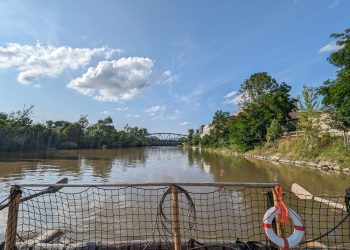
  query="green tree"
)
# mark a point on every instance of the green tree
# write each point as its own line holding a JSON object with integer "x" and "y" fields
{"x": 102, "y": 134}
{"x": 309, "y": 115}
{"x": 190, "y": 135}
{"x": 337, "y": 92}
{"x": 17, "y": 133}
{"x": 220, "y": 129}
{"x": 340, "y": 120}
{"x": 196, "y": 139}
{"x": 73, "y": 132}
{"x": 264, "y": 100}
{"x": 274, "y": 131}
{"x": 257, "y": 85}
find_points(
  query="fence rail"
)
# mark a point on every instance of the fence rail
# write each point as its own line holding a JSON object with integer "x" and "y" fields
{"x": 332, "y": 132}
{"x": 160, "y": 184}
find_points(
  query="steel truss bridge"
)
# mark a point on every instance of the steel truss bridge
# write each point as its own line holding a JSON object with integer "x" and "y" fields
{"x": 166, "y": 139}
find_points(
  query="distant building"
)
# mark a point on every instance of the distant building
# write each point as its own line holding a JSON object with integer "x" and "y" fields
{"x": 205, "y": 130}
{"x": 200, "y": 129}
{"x": 322, "y": 122}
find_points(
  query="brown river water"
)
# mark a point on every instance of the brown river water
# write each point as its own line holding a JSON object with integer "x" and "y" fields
{"x": 155, "y": 164}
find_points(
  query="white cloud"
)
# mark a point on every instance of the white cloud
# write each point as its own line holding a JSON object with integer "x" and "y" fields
{"x": 116, "y": 80}
{"x": 152, "y": 111}
{"x": 176, "y": 115}
{"x": 198, "y": 90}
{"x": 167, "y": 77}
{"x": 133, "y": 115}
{"x": 334, "y": 4}
{"x": 37, "y": 61}
{"x": 233, "y": 98}
{"x": 106, "y": 112}
{"x": 122, "y": 109}
{"x": 330, "y": 47}
{"x": 184, "y": 123}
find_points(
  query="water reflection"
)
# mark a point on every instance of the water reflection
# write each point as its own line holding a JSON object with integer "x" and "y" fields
{"x": 157, "y": 164}
{"x": 238, "y": 169}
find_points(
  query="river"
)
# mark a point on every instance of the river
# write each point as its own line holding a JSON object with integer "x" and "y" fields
{"x": 156, "y": 164}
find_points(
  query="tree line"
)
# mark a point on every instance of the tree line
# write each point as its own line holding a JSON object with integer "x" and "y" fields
{"x": 266, "y": 106}
{"x": 19, "y": 133}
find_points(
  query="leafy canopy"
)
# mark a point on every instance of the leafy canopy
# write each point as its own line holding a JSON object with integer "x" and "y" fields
{"x": 264, "y": 101}
{"x": 337, "y": 92}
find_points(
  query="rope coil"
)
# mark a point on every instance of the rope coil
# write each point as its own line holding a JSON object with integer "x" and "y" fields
{"x": 283, "y": 216}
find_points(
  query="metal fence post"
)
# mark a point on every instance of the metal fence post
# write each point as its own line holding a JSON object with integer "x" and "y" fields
{"x": 176, "y": 220}
{"x": 11, "y": 229}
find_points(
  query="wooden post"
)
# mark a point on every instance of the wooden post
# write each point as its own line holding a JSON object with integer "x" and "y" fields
{"x": 11, "y": 229}
{"x": 176, "y": 220}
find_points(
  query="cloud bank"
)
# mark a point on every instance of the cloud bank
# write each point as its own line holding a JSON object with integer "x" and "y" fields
{"x": 116, "y": 80}
{"x": 35, "y": 61}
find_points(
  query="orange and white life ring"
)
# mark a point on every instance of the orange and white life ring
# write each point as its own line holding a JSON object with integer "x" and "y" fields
{"x": 291, "y": 241}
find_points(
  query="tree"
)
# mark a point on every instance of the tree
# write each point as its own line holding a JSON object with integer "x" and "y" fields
{"x": 190, "y": 135}
{"x": 220, "y": 122}
{"x": 73, "y": 132}
{"x": 18, "y": 133}
{"x": 255, "y": 86}
{"x": 196, "y": 139}
{"x": 274, "y": 131}
{"x": 83, "y": 121}
{"x": 309, "y": 116}
{"x": 264, "y": 100}
{"x": 337, "y": 92}
{"x": 102, "y": 134}
{"x": 341, "y": 121}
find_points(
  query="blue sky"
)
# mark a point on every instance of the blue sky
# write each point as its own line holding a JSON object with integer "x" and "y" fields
{"x": 163, "y": 65}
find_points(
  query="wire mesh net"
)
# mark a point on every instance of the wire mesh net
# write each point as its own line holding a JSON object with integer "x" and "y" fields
{"x": 133, "y": 217}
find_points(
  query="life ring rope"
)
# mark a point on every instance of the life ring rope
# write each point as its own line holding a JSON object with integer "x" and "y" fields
{"x": 283, "y": 213}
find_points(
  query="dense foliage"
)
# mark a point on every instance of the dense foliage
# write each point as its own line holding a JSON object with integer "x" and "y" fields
{"x": 18, "y": 132}
{"x": 265, "y": 103}
{"x": 337, "y": 92}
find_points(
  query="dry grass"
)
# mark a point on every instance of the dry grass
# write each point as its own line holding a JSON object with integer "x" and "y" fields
{"x": 326, "y": 148}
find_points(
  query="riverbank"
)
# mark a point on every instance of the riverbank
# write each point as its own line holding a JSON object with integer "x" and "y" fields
{"x": 322, "y": 161}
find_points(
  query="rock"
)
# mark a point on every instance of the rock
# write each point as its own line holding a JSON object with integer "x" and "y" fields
{"x": 312, "y": 164}
{"x": 322, "y": 163}
{"x": 336, "y": 168}
{"x": 299, "y": 162}
{"x": 316, "y": 244}
{"x": 274, "y": 158}
{"x": 285, "y": 161}
{"x": 346, "y": 170}
{"x": 324, "y": 167}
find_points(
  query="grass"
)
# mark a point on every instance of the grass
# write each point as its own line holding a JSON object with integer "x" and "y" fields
{"x": 325, "y": 148}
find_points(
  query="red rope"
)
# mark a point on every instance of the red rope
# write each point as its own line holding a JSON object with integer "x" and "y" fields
{"x": 283, "y": 216}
